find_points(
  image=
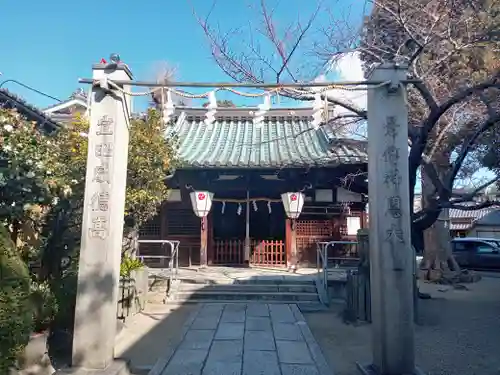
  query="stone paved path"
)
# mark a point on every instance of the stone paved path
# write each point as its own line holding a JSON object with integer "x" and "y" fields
{"x": 245, "y": 339}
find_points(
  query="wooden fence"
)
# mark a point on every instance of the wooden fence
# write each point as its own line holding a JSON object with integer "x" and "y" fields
{"x": 265, "y": 253}
{"x": 268, "y": 253}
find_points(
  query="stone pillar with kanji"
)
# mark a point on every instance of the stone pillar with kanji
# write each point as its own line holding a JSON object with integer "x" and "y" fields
{"x": 102, "y": 225}
{"x": 391, "y": 256}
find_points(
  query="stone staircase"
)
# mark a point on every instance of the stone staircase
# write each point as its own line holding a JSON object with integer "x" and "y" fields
{"x": 255, "y": 291}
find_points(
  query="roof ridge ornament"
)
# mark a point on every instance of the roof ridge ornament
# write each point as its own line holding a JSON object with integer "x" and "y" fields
{"x": 212, "y": 110}
{"x": 78, "y": 93}
{"x": 168, "y": 108}
{"x": 263, "y": 108}
{"x": 318, "y": 109}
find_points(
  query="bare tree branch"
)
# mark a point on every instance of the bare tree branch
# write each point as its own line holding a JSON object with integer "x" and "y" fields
{"x": 446, "y": 43}
{"x": 468, "y": 197}
{"x": 279, "y": 44}
{"x": 490, "y": 122}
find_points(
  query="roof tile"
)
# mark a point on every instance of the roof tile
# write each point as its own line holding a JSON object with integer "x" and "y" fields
{"x": 235, "y": 143}
{"x": 456, "y": 213}
{"x": 32, "y": 113}
{"x": 460, "y": 226}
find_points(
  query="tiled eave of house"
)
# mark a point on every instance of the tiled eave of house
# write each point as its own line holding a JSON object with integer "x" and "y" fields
{"x": 77, "y": 98}
{"x": 458, "y": 214}
{"x": 285, "y": 138}
{"x": 12, "y": 101}
{"x": 466, "y": 219}
{"x": 462, "y": 220}
{"x": 460, "y": 226}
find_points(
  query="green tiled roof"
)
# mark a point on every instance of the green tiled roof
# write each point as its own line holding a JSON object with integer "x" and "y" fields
{"x": 235, "y": 142}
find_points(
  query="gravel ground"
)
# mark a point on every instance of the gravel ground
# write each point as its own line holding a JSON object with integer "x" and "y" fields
{"x": 458, "y": 333}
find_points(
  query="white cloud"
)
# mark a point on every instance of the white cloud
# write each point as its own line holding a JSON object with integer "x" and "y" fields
{"x": 348, "y": 68}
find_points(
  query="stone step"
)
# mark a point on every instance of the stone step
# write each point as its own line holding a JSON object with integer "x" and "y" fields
{"x": 287, "y": 288}
{"x": 180, "y": 297}
{"x": 251, "y": 281}
{"x": 273, "y": 281}
{"x": 312, "y": 307}
{"x": 140, "y": 370}
{"x": 257, "y": 302}
{"x": 242, "y": 296}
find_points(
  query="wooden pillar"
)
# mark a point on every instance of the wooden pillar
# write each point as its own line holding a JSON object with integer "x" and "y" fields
{"x": 288, "y": 241}
{"x": 247, "y": 230}
{"x": 291, "y": 243}
{"x": 163, "y": 221}
{"x": 364, "y": 298}
{"x": 364, "y": 249}
{"x": 210, "y": 239}
{"x": 364, "y": 217}
{"x": 204, "y": 242}
{"x": 164, "y": 232}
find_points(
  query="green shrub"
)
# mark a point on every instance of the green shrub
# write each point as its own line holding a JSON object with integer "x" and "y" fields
{"x": 16, "y": 314}
{"x": 44, "y": 305}
{"x": 128, "y": 265}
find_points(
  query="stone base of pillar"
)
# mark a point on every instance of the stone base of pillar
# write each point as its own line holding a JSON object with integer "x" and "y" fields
{"x": 292, "y": 267}
{"x": 372, "y": 370}
{"x": 118, "y": 367}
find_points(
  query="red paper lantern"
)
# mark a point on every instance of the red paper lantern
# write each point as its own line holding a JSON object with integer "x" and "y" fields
{"x": 201, "y": 202}
{"x": 292, "y": 203}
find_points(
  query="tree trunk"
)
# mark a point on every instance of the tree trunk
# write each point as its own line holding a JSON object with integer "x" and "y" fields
{"x": 14, "y": 235}
{"x": 438, "y": 261}
{"x": 130, "y": 246}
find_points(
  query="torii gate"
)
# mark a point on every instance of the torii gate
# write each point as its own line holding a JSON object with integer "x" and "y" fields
{"x": 391, "y": 256}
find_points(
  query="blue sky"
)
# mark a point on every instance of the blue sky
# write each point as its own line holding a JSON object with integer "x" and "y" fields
{"x": 50, "y": 44}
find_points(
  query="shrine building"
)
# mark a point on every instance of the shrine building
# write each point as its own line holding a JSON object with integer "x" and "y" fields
{"x": 244, "y": 168}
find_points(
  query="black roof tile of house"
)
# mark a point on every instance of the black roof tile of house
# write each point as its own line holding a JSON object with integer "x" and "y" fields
{"x": 32, "y": 113}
